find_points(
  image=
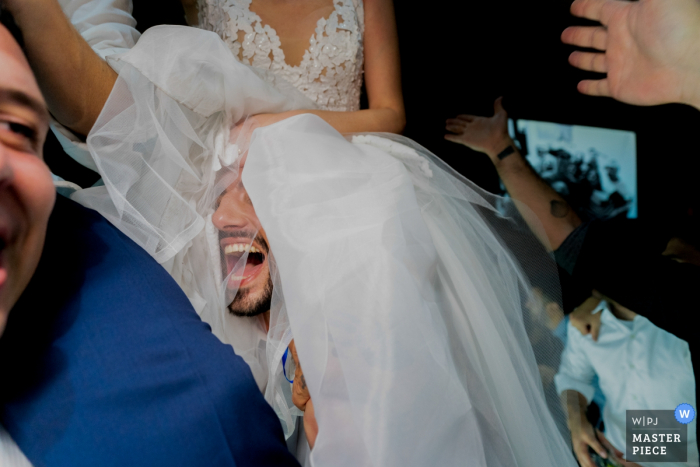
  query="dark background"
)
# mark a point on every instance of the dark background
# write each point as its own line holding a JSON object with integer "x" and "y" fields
{"x": 462, "y": 55}
{"x": 458, "y": 56}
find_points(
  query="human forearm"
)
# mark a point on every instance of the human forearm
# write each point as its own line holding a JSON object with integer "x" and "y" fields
{"x": 575, "y": 405}
{"x": 524, "y": 185}
{"x": 538, "y": 203}
{"x": 75, "y": 81}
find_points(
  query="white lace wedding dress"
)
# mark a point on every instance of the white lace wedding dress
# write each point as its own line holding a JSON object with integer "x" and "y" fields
{"x": 390, "y": 270}
{"x": 330, "y": 72}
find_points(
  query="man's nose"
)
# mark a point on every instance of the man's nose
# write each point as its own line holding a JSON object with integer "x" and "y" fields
{"x": 230, "y": 214}
{"x": 6, "y": 172}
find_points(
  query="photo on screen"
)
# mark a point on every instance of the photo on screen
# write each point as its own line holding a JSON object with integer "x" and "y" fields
{"x": 594, "y": 169}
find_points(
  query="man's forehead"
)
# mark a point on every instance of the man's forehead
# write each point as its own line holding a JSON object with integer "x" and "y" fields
{"x": 16, "y": 77}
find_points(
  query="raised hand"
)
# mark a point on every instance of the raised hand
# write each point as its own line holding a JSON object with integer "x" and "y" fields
{"x": 650, "y": 50}
{"x": 483, "y": 134}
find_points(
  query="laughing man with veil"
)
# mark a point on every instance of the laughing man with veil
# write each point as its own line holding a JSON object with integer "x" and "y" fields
{"x": 376, "y": 294}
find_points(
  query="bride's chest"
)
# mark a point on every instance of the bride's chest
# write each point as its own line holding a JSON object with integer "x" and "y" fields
{"x": 288, "y": 36}
{"x": 316, "y": 45}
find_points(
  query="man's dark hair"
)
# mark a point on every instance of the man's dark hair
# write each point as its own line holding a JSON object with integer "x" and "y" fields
{"x": 7, "y": 20}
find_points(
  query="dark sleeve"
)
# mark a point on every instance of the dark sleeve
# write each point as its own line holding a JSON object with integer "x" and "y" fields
{"x": 106, "y": 363}
{"x": 622, "y": 262}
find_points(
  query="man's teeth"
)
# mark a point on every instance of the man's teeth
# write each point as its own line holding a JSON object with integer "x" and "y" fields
{"x": 240, "y": 248}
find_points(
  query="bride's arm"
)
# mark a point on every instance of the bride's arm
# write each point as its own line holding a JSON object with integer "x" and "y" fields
{"x": 382, "y": 79}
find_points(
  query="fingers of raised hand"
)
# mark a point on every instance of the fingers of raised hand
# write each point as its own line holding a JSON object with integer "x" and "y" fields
{"x": 455, "y": 125}
{"x": 589, "y": 61}
{"x": 590, "y": 9}
{"x": 465, "y": 118}
{"x": 592, "y": 37}
{"x": 594, "y": 87}
{"x": 498, "y": 107}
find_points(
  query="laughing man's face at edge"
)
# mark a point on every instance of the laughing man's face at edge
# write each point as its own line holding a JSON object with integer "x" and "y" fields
{"x": 27, "y": 193}
{"x": 240, "y": 231}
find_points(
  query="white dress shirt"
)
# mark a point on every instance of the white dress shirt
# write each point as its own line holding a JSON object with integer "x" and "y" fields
{"x": 110, "y": 29}
{"x": 639, "y": 367}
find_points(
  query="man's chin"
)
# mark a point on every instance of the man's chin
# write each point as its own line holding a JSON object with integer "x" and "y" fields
{"x": 248, "y": 312}
{"x": 247, "y": 305}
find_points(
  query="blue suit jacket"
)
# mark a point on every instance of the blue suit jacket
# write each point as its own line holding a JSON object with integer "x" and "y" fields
{"x": 105, "y": 363}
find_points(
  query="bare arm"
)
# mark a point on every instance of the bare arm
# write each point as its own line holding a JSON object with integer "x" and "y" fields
{"x": 382, "y": 79}
{"x": 490, "y": 136}
{"x": 75, "y": 81}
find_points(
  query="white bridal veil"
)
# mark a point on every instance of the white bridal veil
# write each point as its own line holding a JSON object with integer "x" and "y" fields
{"x": 400, "y": 281}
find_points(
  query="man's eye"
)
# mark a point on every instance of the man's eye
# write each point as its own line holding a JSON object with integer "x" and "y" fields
{"x": 19, "y": 135}
{"x": 19, "y": 129}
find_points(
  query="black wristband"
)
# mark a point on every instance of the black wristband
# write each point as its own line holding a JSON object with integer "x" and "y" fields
{"x": 505, "y": 153}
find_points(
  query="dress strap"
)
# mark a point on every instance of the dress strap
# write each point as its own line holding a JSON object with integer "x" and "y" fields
{"x": 360, "y": 10}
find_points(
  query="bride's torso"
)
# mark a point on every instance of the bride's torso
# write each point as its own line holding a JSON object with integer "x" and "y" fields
{"x": 316, "y": 45}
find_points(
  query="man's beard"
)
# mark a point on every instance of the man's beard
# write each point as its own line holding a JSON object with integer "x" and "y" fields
{"x": 246, "y": 305}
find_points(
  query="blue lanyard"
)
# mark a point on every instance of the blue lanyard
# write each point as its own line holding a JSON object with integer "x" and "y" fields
{"x": 284, "y": 361}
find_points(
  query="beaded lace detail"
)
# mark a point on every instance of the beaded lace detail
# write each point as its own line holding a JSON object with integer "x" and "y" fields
{"x": 330, "y": 73}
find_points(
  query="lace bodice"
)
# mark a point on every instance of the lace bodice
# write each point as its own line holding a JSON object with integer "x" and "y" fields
{"x": 330, "y": 72}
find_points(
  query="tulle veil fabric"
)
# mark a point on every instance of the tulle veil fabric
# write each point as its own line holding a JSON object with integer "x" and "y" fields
{"x": 394, "y": 275}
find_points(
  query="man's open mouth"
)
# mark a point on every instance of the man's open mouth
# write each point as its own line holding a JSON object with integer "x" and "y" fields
{"x": 233, "y": 252}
